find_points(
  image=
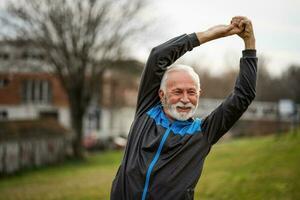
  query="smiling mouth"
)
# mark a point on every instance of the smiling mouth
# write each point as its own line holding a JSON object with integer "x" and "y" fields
{"x": 183, "y": 109}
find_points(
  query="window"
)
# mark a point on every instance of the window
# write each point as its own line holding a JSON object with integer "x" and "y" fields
{"x": 32, "y": 56}
{"x": 25, "y": 55}
{"x": 36, "y": 91}
{"x": 3, "y": 82}
{"x": 4, "y": 56}
{"x": 93, "y": 119}
{"x": 3, "y": 115}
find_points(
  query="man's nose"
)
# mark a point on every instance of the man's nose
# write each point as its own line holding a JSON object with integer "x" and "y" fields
{"x": 184, "y": 99}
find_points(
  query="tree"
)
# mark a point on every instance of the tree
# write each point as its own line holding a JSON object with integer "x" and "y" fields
{"x": 291, "y": 81}
{"x": 264, "y": 89}
{"x": 81, "y": 39}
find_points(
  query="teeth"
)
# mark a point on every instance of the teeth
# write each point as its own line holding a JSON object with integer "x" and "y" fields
{"x": 184, "y": 107}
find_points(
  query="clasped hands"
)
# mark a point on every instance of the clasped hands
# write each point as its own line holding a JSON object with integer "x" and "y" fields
{"x": 239, "y": 25}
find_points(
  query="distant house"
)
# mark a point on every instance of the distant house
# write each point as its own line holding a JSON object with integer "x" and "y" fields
{"x": 27, "y": 91}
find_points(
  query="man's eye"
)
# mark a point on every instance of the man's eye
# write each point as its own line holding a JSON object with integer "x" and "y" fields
{"x": 192, "y": 92}
{"x": 177, "y": 92}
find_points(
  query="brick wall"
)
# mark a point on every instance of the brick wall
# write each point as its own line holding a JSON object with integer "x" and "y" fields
{"x": 11, "y": 94}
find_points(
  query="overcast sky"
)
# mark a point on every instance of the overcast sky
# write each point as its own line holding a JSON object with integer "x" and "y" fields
{"x": 276, "y": 24}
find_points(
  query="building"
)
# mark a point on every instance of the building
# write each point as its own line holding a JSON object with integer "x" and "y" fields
{"x": 28, "y": 91}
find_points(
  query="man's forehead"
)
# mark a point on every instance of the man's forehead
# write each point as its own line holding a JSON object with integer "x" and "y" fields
{"x": 180, "y": 79}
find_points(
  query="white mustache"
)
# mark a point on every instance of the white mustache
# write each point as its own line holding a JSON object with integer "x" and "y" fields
{"x": 187, "y": 105}
{"x": 181, "y": 116}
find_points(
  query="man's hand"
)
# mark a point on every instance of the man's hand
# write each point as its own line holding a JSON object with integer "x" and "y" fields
{"x": 239, "y": 25}
{"x": 223, "y": 31}
{"x": 247, "y": 34}
{"x": 218, "y": 31}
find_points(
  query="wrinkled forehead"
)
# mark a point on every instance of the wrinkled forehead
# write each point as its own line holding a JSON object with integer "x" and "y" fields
{"x": 180, "y": 79}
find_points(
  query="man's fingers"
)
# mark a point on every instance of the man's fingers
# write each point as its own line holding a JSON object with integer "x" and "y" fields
{"x": 239, "y": 18}
{"x": 235, "y": 22}
{"x": 245, "y": 24}
{"x": 241, "y": 24}
{"x": 235, "y": 19}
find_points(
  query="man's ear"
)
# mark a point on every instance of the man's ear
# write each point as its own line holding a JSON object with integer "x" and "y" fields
{"x": 161, "y": 94}
{"x": 200, "y": 92}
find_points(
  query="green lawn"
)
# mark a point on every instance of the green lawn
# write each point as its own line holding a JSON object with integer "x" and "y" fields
{"x": 248, "y": 169}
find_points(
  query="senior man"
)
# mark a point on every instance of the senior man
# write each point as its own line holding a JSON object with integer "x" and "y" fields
{"x": 166, "y": 146}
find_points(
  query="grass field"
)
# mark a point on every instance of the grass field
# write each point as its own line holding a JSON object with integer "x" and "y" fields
{"x": 247, "y": 169}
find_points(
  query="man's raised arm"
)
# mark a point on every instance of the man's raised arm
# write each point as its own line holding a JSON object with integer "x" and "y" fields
{"x": 221, "y": 119}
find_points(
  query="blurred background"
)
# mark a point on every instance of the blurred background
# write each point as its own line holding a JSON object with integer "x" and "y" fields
{"x": 69, "y": 75}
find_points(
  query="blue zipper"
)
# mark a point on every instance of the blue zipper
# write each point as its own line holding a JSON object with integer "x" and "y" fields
{"x": 153, "y": 162}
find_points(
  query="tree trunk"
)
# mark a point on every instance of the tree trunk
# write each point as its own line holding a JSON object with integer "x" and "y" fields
{"x": 77, "y": 126}
{"x": 77, "y": 116}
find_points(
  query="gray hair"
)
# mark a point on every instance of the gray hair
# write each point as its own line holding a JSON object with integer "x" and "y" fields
{"x": 184, "y": 68}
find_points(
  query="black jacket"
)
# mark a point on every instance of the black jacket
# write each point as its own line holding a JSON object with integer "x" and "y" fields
{"x": 163, "y": 161}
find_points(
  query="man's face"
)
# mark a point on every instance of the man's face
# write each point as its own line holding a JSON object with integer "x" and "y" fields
{"x": 180, "y": 100}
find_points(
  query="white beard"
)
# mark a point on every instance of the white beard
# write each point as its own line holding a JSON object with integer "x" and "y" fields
{"x": 181, "y": 116}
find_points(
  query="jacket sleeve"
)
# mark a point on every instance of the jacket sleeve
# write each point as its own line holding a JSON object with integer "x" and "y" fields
{"x": 216, "y": 124}
{"x": 159, "y": 59}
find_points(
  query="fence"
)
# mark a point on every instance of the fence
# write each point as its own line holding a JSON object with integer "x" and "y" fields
{"x": 28, "y": 153}
{"x": 31, "y": 143}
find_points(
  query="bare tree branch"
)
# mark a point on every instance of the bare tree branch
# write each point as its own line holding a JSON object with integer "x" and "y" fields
{"x": 81, "y": 39}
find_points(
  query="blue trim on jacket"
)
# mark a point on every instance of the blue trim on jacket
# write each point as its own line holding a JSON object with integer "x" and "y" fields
{"x": 153, "y": 162}
{"x": 178, "y": 127}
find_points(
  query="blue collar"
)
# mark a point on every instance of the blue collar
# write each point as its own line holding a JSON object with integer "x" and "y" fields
{"x": 182, "y": 128}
